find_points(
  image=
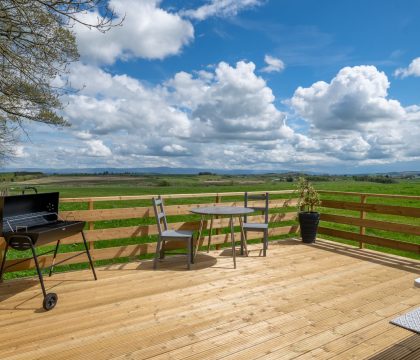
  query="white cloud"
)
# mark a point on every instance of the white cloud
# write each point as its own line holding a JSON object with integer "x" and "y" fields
{"x": 221, "y": 8}
{"x": 83, "y": 135}
{"x": 147, "y": 32}
{"x": 97, "y": 148}
{"x": 175, "y": 149}
{"x": 226, "y": 117}
{"x": 412, "y": 70}
{"x": 119, "y": 104}
{"x": 352, "y": 118}
{"x": 356, "y": 96}
{"x": 273, "y": 64}
{"x": 234, "y": 103}
{"x": 19, "y": 152}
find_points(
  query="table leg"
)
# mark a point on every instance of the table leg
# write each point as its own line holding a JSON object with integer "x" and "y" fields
{"x": 232, "y": 237}
{"x": 211, "y": 229}
{"x": 199, "y": 235}
{"x": 243, "y": 237}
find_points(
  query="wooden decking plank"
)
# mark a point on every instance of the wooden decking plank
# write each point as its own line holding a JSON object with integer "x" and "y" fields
{"x": 229, "y": 273}
{"x": 351, "y": 336}
{"x": 371, "y": 346}
{"x": 219, "y": 284}
{"x": 287, "y": 304}
{"x": 188, "y": 311}
{"x": 414, "y": 355}
{"x": 72, "y": 280}
{"x": 297, "y": 344}
{"x": 302, "y": 347}
{"x": 206, "y": 355}
{"x": 154, "y": 285}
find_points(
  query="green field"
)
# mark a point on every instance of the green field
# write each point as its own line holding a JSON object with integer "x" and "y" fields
{"x": 107, "y": 185}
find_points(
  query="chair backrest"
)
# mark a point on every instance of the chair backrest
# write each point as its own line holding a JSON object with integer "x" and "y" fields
{"x": 160, "y": 214}
{"x": 264, "y": 210}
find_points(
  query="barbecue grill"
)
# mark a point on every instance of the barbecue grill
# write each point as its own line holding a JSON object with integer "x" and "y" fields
{"x": 31, "y": 220}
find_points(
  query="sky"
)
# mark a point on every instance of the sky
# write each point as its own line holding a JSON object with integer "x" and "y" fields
{"x": 303, "y": 85}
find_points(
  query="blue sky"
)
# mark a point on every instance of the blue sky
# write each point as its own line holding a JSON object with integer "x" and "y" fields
{"x": 252, "y": 84}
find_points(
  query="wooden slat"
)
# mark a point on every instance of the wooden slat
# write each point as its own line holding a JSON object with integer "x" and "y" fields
{"x": 135, "y": 250}
{"x": 146, "y": 230}
{"x": 391, "y": 196}
{"x": 373, "y": 240}
{"x": 142, "y": 212}
{"x": 167, "y": 196}
{"x": 108, "y": 214}
{"x": 277, "y": 307}
{"x": 375, "y": 208}
{"x": 374, "y": 224}
{"x": 45, "y": 261}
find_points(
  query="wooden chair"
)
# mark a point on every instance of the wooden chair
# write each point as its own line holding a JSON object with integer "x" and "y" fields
{"x": 168, "y": 235}
{"x": 257, "y": 227}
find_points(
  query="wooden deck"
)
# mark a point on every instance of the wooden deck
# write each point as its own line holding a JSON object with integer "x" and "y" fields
{"x": 323, "y": 301}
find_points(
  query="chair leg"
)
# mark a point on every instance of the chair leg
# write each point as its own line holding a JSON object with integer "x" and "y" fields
{"x": 232, "y": 237}
{"x": 192, "y": 254}
{"x": 242, "y": 237}
{"x": 162, "y": 250}
{"x": 157, "y": 252}
{"x": 265, "y": 243}
{"x": 244, "y": 241}
{"x": 189, "y": 253}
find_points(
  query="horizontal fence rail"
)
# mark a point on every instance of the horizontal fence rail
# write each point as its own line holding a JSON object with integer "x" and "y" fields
{"x": 142, "y": 232}
{"x": 336, "y": 213}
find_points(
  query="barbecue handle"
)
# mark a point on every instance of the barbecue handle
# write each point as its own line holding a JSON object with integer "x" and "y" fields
{"x": 29, "y": 188}
{"x": 26, "y": 238}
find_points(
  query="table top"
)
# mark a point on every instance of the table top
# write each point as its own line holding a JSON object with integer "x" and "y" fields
{"x": 222, "y": 210}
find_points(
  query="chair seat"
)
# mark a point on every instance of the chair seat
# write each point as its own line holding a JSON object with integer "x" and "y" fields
{"x": 251, "y": 226}
{"x": 177, "y": 234}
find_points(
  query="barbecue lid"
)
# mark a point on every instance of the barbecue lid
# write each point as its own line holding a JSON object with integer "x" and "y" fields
{"x": 27, "y": 210}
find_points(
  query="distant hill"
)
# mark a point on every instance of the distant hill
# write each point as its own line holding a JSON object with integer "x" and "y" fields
{"x": 147, "y": 170}
{"x": 192, "y": 171}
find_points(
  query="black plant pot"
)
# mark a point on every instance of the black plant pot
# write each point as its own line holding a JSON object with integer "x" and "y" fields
{"x": 308, "y": 226}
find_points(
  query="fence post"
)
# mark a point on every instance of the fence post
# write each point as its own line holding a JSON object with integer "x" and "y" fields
{"x": 362, "y": 216}
{"x": 91, "y": 225}
{"x": 218, "y": 230}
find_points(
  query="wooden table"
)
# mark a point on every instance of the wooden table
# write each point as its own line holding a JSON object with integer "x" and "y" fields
{"x": 231, "y": 212}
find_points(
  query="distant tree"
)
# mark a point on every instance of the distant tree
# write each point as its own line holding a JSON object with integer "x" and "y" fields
{"x": 36, "y": 45}
{"x": 376, "y": 179}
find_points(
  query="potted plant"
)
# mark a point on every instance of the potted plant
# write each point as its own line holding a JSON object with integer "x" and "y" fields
{"x": 308, "y": 216}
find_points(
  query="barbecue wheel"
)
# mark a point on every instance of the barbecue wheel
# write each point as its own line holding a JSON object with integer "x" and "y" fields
{"x": 50, "y": 301}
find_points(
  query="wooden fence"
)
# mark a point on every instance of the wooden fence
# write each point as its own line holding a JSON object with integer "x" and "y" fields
{"x": 281, "y": 210}
{"x": 364, "y": 209}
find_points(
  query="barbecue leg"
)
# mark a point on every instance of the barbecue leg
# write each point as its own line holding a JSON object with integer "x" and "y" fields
{"x": 55, "y": 255}
{"x": 88, "y": 255}
{"x": 50, "y": 300}
{"x": 3, "y": 262}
